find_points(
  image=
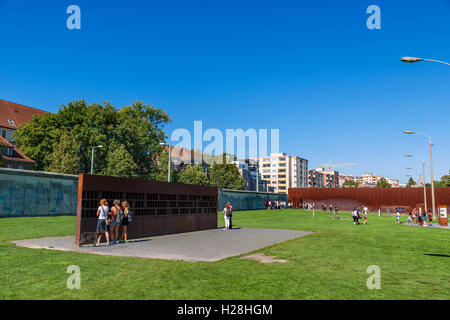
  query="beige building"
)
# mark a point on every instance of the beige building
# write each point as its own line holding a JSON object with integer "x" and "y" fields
{"x": 283, "y": 172}
{"x": 367, "y": 180}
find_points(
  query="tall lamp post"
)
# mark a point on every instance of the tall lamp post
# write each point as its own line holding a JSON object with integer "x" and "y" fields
{"x": 424, "y": 183}
{"x": 412, "y": 60}
{"x": 170, "y": 160}
{"x": 92, "y": 158}
{"x": 431, "y": 168}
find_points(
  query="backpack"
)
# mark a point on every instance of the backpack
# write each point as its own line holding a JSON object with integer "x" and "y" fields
{"x": 119, "y": 215}
{"x": 228, "y": 212}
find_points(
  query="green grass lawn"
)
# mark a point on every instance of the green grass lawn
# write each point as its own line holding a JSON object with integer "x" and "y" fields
{"x": 329, "y": 264}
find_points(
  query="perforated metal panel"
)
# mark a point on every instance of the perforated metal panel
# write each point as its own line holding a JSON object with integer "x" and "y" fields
{"x": 158, "y": 207}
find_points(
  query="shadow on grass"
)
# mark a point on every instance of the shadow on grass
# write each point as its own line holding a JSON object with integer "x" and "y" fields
{"x": 438, "y": 255}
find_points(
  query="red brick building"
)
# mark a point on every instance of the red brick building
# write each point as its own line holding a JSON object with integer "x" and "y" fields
{"x": 12, "y": 115}
{"x": 13, "y": 158}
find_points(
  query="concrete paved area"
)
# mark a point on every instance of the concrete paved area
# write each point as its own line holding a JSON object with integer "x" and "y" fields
{"x": 208, "y": 245}
{"x": 435, "y": 225}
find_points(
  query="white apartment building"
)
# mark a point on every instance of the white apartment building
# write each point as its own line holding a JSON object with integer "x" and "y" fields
{"x": 283, "y": 172}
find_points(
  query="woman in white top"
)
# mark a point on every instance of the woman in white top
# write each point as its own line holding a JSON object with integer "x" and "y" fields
{"x": 102, "y": 214}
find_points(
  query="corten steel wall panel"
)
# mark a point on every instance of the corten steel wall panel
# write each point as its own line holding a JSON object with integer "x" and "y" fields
{"x": 374, "y": 198}
{"x": 158, "y": 207}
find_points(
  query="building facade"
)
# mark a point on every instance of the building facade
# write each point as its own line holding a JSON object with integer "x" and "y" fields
{"x": 315, "y": 179}
{"x": 249, "y": 170}
{"x": 12, "y": 157}
{"x": 283, "y": 172}
{"x": 330, "y": 178}
{"x": 367, "y": 180}
{"x": 12, "y": 115}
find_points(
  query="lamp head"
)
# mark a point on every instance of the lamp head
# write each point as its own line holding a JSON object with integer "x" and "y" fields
{"x": 408, "y": 132}
{"x": 411, "y": 59}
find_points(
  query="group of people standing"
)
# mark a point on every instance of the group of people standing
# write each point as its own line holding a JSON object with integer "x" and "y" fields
{"x": 271, "y": 205}
{"x": 356, "y": 215}
{"x": 420, "y": 218}
{"x": 111, "y": 219}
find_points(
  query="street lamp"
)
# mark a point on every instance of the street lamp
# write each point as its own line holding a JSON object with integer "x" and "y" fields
{"x": 424, "y": 183}
{"x": 431, "y": 168}
{"x": 92, "y": 158}
{"x": 170, "y": 160}
{"x": 412, "y": 60}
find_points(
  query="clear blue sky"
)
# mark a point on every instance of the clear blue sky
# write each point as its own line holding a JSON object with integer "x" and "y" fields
{"x": 336, "y": 89}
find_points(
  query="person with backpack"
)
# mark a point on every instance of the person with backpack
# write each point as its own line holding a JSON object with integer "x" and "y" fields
{"x": 116, "y": 220}
{"x": 227, "y": 216}
{"x": 125, "y": 222}
{"x": 102, "y": 227}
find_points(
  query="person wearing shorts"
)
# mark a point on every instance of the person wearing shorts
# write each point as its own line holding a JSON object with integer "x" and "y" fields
{"x": 102, "y": 214}
{"x": 125, "y": 221}
{"x": 430, "y": 218}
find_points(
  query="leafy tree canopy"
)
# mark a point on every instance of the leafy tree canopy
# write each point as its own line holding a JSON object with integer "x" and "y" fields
{"x": 193, "y": 175}
{"x": 131, "y": 134}
{"x": 351, "y": 184}
{"x": 382, "y": 183}
{"x": 226, "y": 176}
{"x": 410, "y": 183}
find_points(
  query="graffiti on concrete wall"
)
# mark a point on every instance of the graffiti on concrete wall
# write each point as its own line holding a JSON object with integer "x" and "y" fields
{"x": 23, "y": 194}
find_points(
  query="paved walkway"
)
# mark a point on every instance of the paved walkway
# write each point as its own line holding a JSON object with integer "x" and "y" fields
{"x": 208, "y": 245}
{"x": 435, "y": 225}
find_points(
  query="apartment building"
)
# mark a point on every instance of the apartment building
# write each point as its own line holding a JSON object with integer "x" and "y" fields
{"x": 367, "y": 180}
{"x": 315, "y": 179}
{"x": 330, "y": 178}
{"x": 283, "y": 172}
{"x": 249, "y": 170}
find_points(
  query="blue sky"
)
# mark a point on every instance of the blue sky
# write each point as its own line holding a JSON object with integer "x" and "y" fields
{"x": 336, "y": 90}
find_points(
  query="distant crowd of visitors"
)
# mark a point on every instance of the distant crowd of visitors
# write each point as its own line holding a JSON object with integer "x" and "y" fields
{"x": 271, "y": 205}
{"x": 110, "y": 220}
{"x": 420, "y": 218}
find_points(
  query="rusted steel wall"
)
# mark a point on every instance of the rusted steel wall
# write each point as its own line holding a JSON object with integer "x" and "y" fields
{"x": 374, "y": 198}
{"x": 158, "y": 207}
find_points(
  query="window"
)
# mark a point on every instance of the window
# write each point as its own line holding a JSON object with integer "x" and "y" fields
{"x": 282, "y": 164}
{"x": 11, "y": 122}
{"x": 3, "y": 133}
{"x": 9, "y": 152}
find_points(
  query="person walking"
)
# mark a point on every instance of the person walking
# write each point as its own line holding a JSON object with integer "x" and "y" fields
{"x": 336, "y": 210}
{"x": 397, "y": 216}
{"x": 125, "y": 222}
{"x": 102, "y": 214}
{"x": 116, "y": 216}
{"x": 366, "y": 215}
{"x": 226, "y": 215}
{"x": 355, "y": 216}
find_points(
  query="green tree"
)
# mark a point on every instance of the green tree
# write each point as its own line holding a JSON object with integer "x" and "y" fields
{"x": 445, "y": 180}
{"x": 139, "y": 128}
{"x": 351, "y": 184}
{"x": 226, "y": 176}
{"x": 193, "y": 175}
{"x": 410, "y": 183}
{"x": 382, "y": 183}
{"x": 64, "y": 158}
{"x": 119, "y": 162}
{"x": 161, "y": 168}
